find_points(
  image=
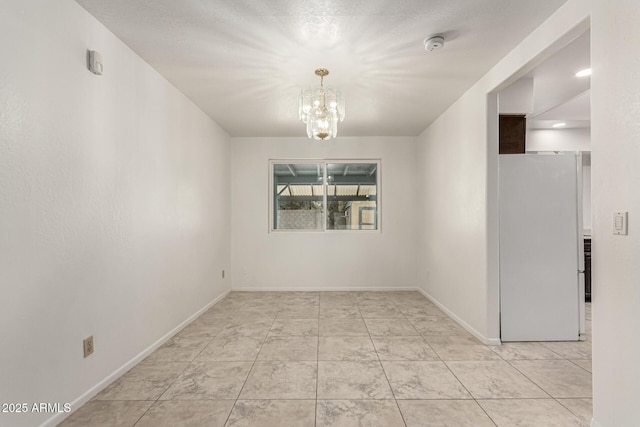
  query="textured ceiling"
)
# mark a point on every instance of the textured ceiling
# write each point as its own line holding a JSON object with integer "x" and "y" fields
{"x": 244, "y": 61}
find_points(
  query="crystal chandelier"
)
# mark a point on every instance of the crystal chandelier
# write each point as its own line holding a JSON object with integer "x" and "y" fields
{"x": 321, "y": 108}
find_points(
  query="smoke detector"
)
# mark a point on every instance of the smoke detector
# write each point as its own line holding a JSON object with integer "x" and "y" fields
{"x": 434, "y": 42}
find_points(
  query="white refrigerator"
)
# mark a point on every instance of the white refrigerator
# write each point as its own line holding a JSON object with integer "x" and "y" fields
{"x": 541, "y": 247}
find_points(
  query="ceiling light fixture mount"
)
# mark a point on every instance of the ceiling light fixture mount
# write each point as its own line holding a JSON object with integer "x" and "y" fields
{"x": 321, "y": 108}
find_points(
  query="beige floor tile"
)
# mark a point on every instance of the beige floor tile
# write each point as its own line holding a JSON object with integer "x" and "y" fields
{"x": 346, "y": 348}
{"x": 261, "y": 348}
{"x": 187, "y": 413}
{"x": 524, "y": 351}
{"x": 300, "y": 303}
{"x": 414, "y": 301}
{"x": 437, "y": 325}
{"x": 461, "y": 339}
{"x": 257, "y": 313}
{"x": 146, "y": 381}
{"x": 294, "y": 327}
{"x": 571, "y": 350}
{"x": 390, "y": 327}
{"x": 338, "y": 299}
{"x": 343, "y": 327}
{"x": 281, "y": 380}
{"x": 529, "y": 413}
{"x": 352, "y": 380}
{"x": 581, "y": 408}
{"x": 423, "y": 380}
{"x": 246, "y": 327}
{"x": 231, "y": 349}
{"x": 421, "y": 311}
{"x": 300, "y": 298}
{"x": 255, "y": 316}
{"x": 464, "y": 352}
{"x": 370, "y": 297}
{"x": 338, "y": 294}
{"x": 180, "y": 349}
{"x": 584, "y": 364}
{"x": 409, "y": 296}
{"x": 209, "y": 380}
{"x": 559, "y": 378}
{"x": 299, "y": 312}
{"x": 404, "y": 348}
{"x": 221, "y": 312}
{"x": 349, "y": 413}
{"x": 444, "y": 413}
{"x": 265, "y": 306}
{"x": 226, "y": 305}
{"x": 494, "y": 380}
{"x": 339, "y": 312}
{"x": 289, "y": 348}
{"x": 202, "y": 329}
{"x": 382, "y": 311}
{"x": 97, "y": 413}
{"x": 273, "y": 413}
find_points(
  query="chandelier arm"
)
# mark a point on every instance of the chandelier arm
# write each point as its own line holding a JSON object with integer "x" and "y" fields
{"x": 320, "y": 120}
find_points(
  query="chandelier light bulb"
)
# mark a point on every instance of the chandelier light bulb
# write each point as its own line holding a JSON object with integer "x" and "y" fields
{"x": 321, "y": 108}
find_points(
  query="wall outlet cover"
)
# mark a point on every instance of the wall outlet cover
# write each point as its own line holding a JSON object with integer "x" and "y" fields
{"x": 87, "y": 345}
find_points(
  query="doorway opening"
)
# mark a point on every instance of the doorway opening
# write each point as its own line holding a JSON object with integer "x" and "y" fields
{"x": 547, "y": 110}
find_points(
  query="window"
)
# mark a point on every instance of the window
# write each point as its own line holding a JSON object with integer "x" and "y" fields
{"x": 314, "y": 195}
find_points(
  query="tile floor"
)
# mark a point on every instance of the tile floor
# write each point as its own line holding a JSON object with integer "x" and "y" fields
{"x": 344, "y": 359}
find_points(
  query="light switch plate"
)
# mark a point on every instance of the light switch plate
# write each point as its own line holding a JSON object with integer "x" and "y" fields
{"x": 620, "y": 223}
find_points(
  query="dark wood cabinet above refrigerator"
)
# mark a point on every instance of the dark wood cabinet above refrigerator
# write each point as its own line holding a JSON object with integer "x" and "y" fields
{"x": 512, "y": 131}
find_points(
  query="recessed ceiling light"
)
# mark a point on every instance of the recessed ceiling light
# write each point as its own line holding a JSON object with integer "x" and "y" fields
{"x": 584, "y": 73}
{"x": 559, "y": 125}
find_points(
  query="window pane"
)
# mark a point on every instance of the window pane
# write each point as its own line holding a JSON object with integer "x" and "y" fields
{"x": 298, "y": 196}
{"x": 352, "y": 196}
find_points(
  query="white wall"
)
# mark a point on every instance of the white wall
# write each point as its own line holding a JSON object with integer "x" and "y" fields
{"x": 615, "y": 180}
{"x": 458, "y": 157}
{"x": 114, "y": 206}
{"x": 452, "y": 195}
{"x": 615, "y": 132}
{"x": 336, "y": 260}
{"x": 559, "y": 139}
{"x": 517, "y": 98}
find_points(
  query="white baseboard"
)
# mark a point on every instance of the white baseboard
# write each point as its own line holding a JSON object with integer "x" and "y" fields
{"x": 322, "y": 289}
{"x": 465, "y": 325}
{"x": 594, "y": 423}
{"x": 85, "y": 397}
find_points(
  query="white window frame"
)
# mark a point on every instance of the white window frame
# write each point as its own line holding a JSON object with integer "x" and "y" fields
{"x": 324, "y": 162}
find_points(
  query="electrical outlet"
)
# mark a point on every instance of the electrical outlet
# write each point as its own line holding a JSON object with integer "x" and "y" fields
{"x": 87, "y": 345}
{"x": 244, "y": 271}
{"x": 223, "y": 274}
